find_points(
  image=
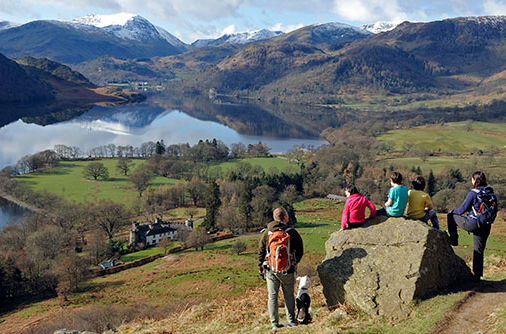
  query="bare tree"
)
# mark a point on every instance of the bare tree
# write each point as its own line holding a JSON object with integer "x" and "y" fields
{"x": 165, "y": 243}
{"x": 109, "y": 216}
{"x": 140, "y": 179}
{"x": 111, "y": 148}
{"x": 124, "y": 165}
{"x": 95, "y": 170}
{"x": 47, "y": 243}
{"x": 198, "y": 238}
{"x": 74, "y": 269}
{"x": 97, "y": 247}
{"x": 197, "y": 190}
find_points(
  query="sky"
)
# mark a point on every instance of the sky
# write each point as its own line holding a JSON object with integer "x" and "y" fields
{"x": 190, "y": 20}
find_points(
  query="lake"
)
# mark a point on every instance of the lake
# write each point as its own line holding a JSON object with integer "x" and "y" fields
{"x": 179, "y": 121}
{"x": 10, "y": 212}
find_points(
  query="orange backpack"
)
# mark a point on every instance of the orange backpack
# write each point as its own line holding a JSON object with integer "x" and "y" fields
{"x": 279, "y": 254}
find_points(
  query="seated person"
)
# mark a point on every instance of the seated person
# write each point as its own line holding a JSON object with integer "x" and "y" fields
{"x": 397, "y": 198}
{"x": 419, "y": 203}
{"x": 354, "y": 209}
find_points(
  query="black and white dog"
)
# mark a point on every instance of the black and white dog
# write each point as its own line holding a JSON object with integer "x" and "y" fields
{"x": 303, "y": 301}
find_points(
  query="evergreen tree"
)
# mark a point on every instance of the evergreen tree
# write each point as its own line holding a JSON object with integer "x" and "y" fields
{"x": 160, "y": 147}
{"x": 431, "y": 184}
{"x": 418, "y": 171}
{"x": 245, "y": 207}
{"x": 213, "y": 204}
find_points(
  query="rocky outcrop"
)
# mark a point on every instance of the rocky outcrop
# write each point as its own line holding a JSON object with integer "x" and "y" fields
{"x": 384, "y": 266}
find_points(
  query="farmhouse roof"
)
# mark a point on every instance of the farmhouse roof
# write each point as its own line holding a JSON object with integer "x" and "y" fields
{"x": 160, "y": 230}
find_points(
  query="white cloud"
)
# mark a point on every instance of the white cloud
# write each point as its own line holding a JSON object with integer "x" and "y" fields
{"x": 494, "y": 7}
{"x": 285, "y": 28}
{"x": 229, "y": 30}
{"x": 369, "y": 11}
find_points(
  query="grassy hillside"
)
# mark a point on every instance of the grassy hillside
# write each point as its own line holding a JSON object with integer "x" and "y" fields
{"x": 67, "y": 180}
{"x": 459, "y": 137}
{"x": 215, "y": 291}
{"x": 476, "y": 145}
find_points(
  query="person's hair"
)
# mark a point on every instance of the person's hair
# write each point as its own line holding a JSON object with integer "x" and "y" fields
{"x": 351, "y": 189}
{"x": 418, "y": 183}
{"x": 396, "y": 177}
{"x": 479, "y": 179}
{"x": 279, "y": 214}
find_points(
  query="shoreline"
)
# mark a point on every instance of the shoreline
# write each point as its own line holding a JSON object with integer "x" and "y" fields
{"x": 16, "y": 201}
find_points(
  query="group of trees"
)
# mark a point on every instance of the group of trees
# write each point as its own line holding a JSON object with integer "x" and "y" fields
{"x": 52, "y": 249}
{"x": 203, "y": 151}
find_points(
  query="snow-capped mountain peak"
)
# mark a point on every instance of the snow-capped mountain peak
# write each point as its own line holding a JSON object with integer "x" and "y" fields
{"x": 122, "y": 25}
{"x": 337, "y": 26}
{"x": 251, "y": 36}
{"x": 380, "y": 26}
{"x": 7, "y": 25}
{"x": 129, "y": 27}
{"x": 102, "y": 21}
{"x": 170, "y": 38}
{"x": 238, "y": 38}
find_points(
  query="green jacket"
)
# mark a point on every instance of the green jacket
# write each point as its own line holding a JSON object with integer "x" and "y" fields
{"x": 296, "y": 244}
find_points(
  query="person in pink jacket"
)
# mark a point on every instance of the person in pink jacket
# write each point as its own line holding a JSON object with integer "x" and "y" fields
{"x": 354, "y": 209}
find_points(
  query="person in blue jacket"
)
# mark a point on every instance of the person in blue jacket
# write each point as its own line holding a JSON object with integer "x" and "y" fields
{"x": 469, "y": 223}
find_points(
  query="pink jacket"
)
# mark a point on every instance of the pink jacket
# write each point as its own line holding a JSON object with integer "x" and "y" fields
{"x": 354, "y": 210}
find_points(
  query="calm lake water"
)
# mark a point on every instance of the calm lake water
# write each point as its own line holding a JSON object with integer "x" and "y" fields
{"x": 10, "y": 212}
{"x": 175, "y": 122}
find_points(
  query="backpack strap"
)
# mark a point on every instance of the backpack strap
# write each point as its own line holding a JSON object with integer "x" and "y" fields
{"x": 477, "y": 191}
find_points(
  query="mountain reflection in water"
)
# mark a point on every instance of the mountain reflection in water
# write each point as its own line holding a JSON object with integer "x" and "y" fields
{"x": 182, "y": 121}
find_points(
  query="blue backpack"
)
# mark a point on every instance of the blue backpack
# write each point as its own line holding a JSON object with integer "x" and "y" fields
{"x": 487, "y": 210}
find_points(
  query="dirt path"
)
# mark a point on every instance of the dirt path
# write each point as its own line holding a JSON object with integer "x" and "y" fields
{"x": 475, "y": 312}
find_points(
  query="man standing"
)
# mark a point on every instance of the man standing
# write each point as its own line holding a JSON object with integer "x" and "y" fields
{"x": 279, "y": 251}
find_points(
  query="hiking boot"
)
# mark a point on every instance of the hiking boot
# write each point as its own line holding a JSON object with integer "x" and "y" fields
{"x": 276, "y": 326}
{"x": 290, "y": 324}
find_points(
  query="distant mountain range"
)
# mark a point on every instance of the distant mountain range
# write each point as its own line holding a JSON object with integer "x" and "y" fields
{"x": 238, "y": 38}
{"x": 444, "y": 57}
{"x": 121, "y": 36}
{"x": 317, "y": 63}
{"x": 130, "y": 36}
{"x": 328, "y": 36}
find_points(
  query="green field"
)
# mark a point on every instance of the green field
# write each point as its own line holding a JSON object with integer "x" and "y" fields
{"x": 67, "y": 180}
{"x": 451, "y": 137}
{"x": 439, "y": 164}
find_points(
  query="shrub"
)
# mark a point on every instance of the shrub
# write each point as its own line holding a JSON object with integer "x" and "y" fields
{"x": 238, "y": 247}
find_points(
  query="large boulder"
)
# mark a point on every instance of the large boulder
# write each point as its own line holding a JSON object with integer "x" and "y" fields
{"x": 382, "y": 267}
